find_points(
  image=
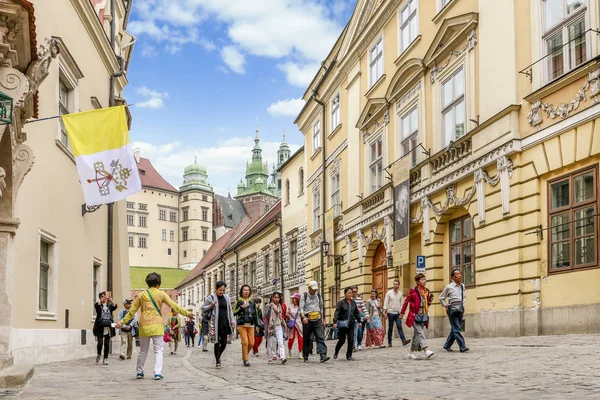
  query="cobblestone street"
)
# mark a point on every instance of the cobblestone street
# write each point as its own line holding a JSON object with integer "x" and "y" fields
{"x": 551, "y": 367}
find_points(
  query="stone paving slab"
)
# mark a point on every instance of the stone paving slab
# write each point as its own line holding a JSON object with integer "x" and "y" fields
{"x": 541, "y": 367}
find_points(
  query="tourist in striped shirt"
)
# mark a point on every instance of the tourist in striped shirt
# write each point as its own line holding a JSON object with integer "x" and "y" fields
{"x": 362, "y": 308}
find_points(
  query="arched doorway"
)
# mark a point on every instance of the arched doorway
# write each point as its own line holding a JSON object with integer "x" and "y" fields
{"x": 380, "y": 271}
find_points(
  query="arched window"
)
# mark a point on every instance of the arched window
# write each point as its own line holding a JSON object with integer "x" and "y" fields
{"x": 301, "y": 181}
{"x": 287, "y": 191}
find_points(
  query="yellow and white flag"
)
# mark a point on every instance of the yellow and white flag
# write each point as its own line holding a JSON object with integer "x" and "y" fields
{"x": 105, "y": 163}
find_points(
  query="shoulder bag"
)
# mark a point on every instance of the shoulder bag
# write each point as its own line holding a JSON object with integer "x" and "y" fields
{"x": 458, "y": 308}
{"x": 153, "y": 302}
{"x": 291, "y": 324}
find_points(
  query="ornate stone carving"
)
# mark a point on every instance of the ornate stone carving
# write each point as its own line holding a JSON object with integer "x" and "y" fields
{"x": 2, "y": 180}
{"x": 9, "y": 31}
{"x": 373, "y": 201}
{"x": 408, "y": 95}
{"x": 449, "y": 158}
{"x": 335, "y": 167}
{"x": 388, "y": 228}
{"x": 471, "y": 42}
{"x": 534, "y": 116}
{"x": 376, "y": 126}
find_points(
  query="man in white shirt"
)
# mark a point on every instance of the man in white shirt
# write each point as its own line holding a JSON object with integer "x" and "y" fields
{"x": 453, "y": 298}
{"x": 392, "y": 305}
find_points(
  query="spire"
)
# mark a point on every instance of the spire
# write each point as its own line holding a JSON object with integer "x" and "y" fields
{"x": 283, "y": 136}
{"x": 195, "y": 160}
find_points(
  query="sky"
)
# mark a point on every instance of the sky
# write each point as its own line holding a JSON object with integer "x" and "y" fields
{"x": 204, "y": 73}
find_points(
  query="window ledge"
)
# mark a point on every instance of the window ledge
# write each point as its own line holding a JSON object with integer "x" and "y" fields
{"x": 573, "y": 269}
{"x": 563, "y": 81}
{"x": 316, "y": 153}
{"x": 375, "y": 86}
{"x": 315, "y": 234}
{"x": 404, "y": 54}
{"x": 65, "y": 150}
{"x": 335, "y": 130}
{"x": 443, "y": 11}
{"x": 46, "y": 315}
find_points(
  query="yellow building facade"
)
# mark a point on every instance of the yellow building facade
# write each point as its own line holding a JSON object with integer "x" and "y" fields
{"x": 504, "y": 163}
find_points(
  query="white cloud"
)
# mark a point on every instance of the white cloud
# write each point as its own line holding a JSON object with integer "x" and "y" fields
{"x": 225, "y": 162}
{"x": 299, "y": 75}
{"x": 149, "y": 51}
{"x": 233, "y": 59}
{"x": 152, "y": 98}
{"x": 290, "y": 107}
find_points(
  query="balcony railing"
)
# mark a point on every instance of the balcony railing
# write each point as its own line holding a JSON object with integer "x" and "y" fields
{"x": 448, "y": 158}
{"x": 374, "y": 200}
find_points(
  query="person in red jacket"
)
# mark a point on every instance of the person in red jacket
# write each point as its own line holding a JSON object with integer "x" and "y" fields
{"x": 419, "y": 299}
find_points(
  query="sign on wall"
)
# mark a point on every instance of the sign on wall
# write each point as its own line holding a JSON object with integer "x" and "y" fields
{"x": 420, "y": 265}
{"x": 401, "y": 182}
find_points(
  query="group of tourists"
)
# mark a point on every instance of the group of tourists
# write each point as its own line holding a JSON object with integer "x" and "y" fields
{"x": 303, "y": 321}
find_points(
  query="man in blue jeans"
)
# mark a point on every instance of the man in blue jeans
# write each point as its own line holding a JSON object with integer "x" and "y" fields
{"x": 392, "y": 305}
{"x": 453, "y": 298}
{"x": 364, "y": 315}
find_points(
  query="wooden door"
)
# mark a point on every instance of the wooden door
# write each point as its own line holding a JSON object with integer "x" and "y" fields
{"x": 380, "y": 276}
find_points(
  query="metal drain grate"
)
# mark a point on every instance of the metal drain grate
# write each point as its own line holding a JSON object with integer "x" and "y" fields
{"x": 8, "y": 393}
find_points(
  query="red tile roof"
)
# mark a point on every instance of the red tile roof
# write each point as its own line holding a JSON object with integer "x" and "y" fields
{"x": 260, "y": 224}
{"x": 151, "y": 178}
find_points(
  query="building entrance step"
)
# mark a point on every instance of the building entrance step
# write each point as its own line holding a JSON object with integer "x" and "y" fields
{"x": 16, "y": 376}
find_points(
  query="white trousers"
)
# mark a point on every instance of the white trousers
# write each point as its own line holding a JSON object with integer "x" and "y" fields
{"x": 275, "y": 344}
{"x": 157, "y": 342}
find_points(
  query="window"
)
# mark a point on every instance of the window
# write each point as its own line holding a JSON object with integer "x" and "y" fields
{"x": 335, "y": 111}
{"x": 564, "y": 35}
{"x": 267, "y": 269}
{"x": 301, "y": 181}
{"x": 409, "y": 28}
{"x": 376, "y": 62}
{"x": 142, "y": 242}
{"x": 316, "y": 210}
{"x": 316, "y": 136}
{"x": 293, "y": 256}
{"x": 453, "y": 106}
{"x": 376, "y": 164}
{"x": 276, "y": 264}
{"x": 168, "y": 252}
{"x": 232, "y": 278}
{"x": 164, "y": 234}
{"x": 172, "y": 216}
{"x": 186, "y": 213}
{"x": 184, "y": 234}
{"x": 130, "y": 219}
{"x": 204, "y": 214}
{"x": 162, "y": 215}
{"x": 131, "y": 241}
{"x": 143, "y": 207}
{"x": 172, "y": 236}
{"x": 253, "y": 274}
{"x": 95, "y": 281}
{"x": 461, "y": 248}
{"x": 205, "y": 234}
{"x": 185, "y": 254}
{"x": 142, "y": 221}
{"x": 204, "y": 198}
{"x": 245, "y": 271}
{"x": 573, "y": 205}
{"x": 444, "y": 3}
{"x": 185, "y": 198}
{"x": 130, "y": 205}
{"x": 65, "y": 96}
{"x": 44, "y": 275}
{"x": 335, "y": 190}
{"x": 287, "y": 191}
{"x": 410, "y": 135}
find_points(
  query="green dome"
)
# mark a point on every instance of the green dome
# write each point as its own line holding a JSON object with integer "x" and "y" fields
{"x": 241, "y": 185}
{"x": 272, "y": 185}
{"x": 259, "y": 181}
{"x": 195, "y": 168}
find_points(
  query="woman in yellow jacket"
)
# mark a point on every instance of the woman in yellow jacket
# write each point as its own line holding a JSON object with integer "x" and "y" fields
{"x": 151, "y": 322}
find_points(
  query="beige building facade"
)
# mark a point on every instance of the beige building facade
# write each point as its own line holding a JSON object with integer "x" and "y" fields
{"x": 56, "y": 259}
{"x": 503, "y": 163}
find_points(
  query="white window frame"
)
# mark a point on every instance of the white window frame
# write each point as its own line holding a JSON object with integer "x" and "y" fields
{"x": 204, "y": 213}
{"x": 316, "y": 210}
{"x": 53, "y": 268}
{"x": 143, "y": 224}
{"x": 171, "y": 235}
{"x": 130, "y": 219}
{"x": 145, "y": 242}
{"x": 185, "y": 235}
{"x": 562, "y": 28}
{"x": 451, "y": 107}
{"x": 301, "y": 181}
{"x": 403, "y": 24}
{"x": 336, "y": 189}
{"x": 173, "y": 216}
{"x": 316, "y": 136}
{"x": 335, "y": 111}
{"x": 205, "y": 234}
{"x": 131, "y": 240}
{"x": 162, "y": 214}
{"x": 410, "y": 137}
{"x": 293, "y": 256}
{"x": 443, "y": 3}
{"x": 375, "y": 186}
{"x": 376, "y": 63}
{"x": 164, "y": 235}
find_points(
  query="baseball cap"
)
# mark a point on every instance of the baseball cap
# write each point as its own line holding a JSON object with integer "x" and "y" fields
{"x": 127, "y": 301}
{"x": 296, "y": 296}
{"x": 313, "y": 285}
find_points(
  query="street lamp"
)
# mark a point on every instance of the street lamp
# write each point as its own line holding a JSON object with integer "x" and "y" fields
{"x": 326, "y": 245}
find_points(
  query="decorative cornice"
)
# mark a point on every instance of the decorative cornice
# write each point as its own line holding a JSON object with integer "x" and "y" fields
{"x": 471, "y": 42}
{"x": 376, "y": 217}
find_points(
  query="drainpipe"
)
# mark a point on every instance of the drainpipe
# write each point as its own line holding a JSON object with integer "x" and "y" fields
{"x": 237, "y": 260}
{"x": 324, "y": 161}
{"x": 113, "y": 26}
{"x": 279, "y": 223}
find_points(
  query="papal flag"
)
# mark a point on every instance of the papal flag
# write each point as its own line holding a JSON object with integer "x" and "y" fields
{"x": 105, "y": 163}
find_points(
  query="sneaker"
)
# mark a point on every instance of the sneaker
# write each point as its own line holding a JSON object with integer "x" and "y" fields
{"x": 305, "y": 359}
{"x": 289, "y": 356}
{"x": 204, "y": 349}
{"x": 255, "y": 354}
{"x": 140, "y": 375}
{"x": 429, "y": 353}
{"x": 350, "y": 359}
{"x": 390, "y": 345}
{"x": 270, "y": 361}
{"x": 105, "y": 361}
{"x": 324, "y": 359}
{"x": 412, "y": 356}
{"x": 335, "y": 356}
{"x": 448, "y": 349}
{"x": 464, "y": 349}
{"x": 97, "y": 359}
{"x": 158, "y": 377}
{"x": 300, "y": 357}
{"x": 359, "y": 347}
{"x": 246, "y": 363}
{"x": 121, "y": 357}
{"x": 283, "y": 361}
{"x": 218, "y": 366}
{"x": 405, "y": 342}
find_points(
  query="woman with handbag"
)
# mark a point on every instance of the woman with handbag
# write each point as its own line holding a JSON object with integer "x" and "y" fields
{"x": 259, "y": 330}
{"x": 218, "y": 310}
{"x": 419, "y": 300}
{"x": 345, "y": 317}
{"x": 103, "y": 328}
{"x": 245, "y": 312}
{"x": 275, "y": 328}
{"x": 294, "y": 325}
{"x": 375, "y": 331}
{"x": 150, "y": 303}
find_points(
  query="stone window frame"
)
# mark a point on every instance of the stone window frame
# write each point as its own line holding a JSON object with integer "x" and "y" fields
{"x": 172, "y": 216}
{"x": 336, "y": 192}
{"x": 316, "y": 210}
{"x": 204, "y": 213}
{"x": 164, "y": 235}
{"x": 293, "y": 256}
{"x": 205, "y": 234}
{"x": 276, "y": 263}
{"x": 570, "y": 209}
{"x": 316, "y": 136}
{"x": 130, "y": 219}
{"x": 142, "y": 221}
{"x": 131, "y": 240}
{"x": 50, "y": 313}
{"x": 377, "y": 136}
{"x": 185, "y": 235}
{"x": 171, "y": 235}
{"x": 162, "y": 214}
{"x": 301, "y": 181}
{"x": 378, "y": 61}
{"x": 335, "y": 112}
{"x": 462, "y": 242}
{"x": 287, "y": 192}
{"x": 185, "y": 213}
{"x": 455, "y": 102}
{"x": 415, "y": 134}
{"x": 142, "y": 241}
